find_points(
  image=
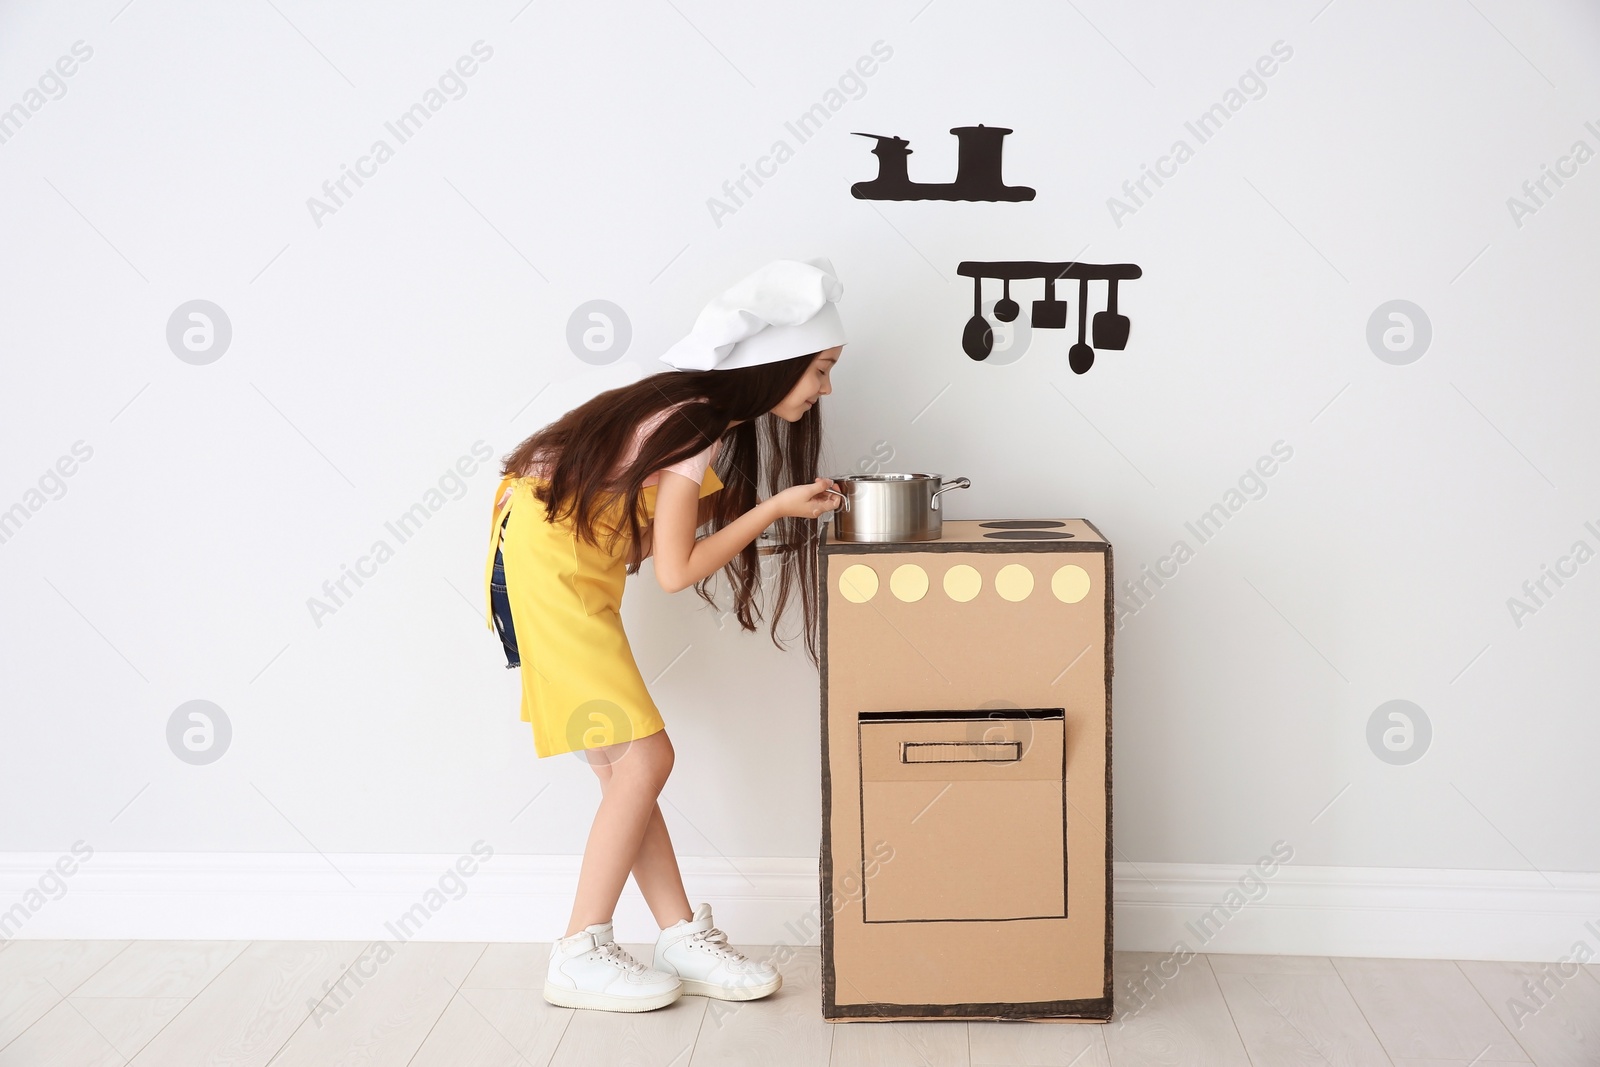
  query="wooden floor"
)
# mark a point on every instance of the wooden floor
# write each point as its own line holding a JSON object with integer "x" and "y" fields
{"x": 292, "y": 1003}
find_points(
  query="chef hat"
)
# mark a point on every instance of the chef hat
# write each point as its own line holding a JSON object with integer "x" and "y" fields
{"x": 787, "y": 308}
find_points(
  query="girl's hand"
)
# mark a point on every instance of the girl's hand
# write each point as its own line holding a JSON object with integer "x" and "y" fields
{"x": 807, "y": 501}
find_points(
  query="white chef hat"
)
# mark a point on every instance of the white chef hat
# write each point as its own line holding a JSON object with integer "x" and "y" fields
{"x": 787, "y": 308}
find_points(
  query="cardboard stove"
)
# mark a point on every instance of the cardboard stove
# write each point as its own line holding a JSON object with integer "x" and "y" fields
{"x": 966, "y": 774}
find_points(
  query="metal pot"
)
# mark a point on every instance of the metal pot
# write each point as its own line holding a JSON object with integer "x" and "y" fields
{"x": 890, "y": 507}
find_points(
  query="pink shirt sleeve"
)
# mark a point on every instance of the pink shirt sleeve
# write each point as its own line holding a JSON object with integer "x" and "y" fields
{"x": 693, "y": 468}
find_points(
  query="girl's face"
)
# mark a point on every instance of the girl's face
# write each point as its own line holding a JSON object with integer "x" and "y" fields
{"x": 812, "y": 385}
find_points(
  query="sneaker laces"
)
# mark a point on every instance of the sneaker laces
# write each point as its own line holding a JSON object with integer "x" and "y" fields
{"x": 716, "y": 941}
{"x": 614, "y": 953}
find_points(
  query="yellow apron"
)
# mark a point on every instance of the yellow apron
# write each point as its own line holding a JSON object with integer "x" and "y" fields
{"x": 580, "y": 686}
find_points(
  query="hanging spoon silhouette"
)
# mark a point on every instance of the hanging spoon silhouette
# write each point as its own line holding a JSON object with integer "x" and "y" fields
{"x": 977, "y": 340}
{"x": 1006, "y": 309}
{"x": 1080, "y": 356}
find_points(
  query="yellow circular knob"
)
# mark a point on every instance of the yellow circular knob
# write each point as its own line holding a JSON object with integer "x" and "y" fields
{"x": 1014, "y": 582}
{"x": 1070, "y": 583}
{"x": 909, "y": 582}
{"x": 962, "y": 583}
{"x": 858, "y": 584}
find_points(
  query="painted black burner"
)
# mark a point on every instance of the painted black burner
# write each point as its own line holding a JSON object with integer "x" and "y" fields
{"x": 1022, "y": 524}
{"x": 1026, "y": 535}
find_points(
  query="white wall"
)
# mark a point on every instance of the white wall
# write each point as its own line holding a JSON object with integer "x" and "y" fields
{"x": 374, "y": 346}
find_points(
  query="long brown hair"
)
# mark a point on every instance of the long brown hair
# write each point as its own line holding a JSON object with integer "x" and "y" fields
{"x": 762, "y": 455}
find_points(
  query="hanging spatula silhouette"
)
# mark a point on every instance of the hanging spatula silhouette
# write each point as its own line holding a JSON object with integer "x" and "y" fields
{"x": 1111, "y": 329}
{"x": 1049, "y": 313}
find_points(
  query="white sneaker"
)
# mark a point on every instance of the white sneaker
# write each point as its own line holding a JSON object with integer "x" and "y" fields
{"x": 590, "y": 970}
{"x": 699, "y": 954}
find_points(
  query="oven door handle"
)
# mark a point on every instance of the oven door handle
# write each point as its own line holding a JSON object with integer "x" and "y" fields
{"x": 960, "y": 751}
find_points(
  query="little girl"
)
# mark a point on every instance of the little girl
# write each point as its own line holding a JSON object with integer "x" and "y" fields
{"x": 634, "y": 472}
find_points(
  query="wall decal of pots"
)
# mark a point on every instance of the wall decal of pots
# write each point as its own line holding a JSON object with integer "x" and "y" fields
{"x": 977, "y": 170}
{"x": 1110, "y": 327}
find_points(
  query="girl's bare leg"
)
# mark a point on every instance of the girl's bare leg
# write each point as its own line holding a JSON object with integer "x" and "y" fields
{"x": 655, "y": 870}
{"x": 629, "y": 834}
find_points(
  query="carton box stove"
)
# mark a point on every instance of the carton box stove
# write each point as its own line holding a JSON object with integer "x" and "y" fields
{"x": 966, "y": 774}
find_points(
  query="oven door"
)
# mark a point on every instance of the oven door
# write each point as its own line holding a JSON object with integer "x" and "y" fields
{"x": 972, "y": 808}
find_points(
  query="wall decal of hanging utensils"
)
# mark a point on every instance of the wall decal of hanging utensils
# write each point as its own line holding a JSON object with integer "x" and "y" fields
{"x": 977, "y": 170}
{"x": 1110, "y": 328}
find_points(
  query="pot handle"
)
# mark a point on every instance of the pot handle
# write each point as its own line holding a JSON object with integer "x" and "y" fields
{"x": 955, "y": 483}
{"x": 844, "y": 501}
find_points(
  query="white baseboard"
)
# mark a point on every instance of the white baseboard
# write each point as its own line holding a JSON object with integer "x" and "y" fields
{"x": 364, "y": 896}
{"x": 1340, "y": 911}
{"x": 1418, "y": 913}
